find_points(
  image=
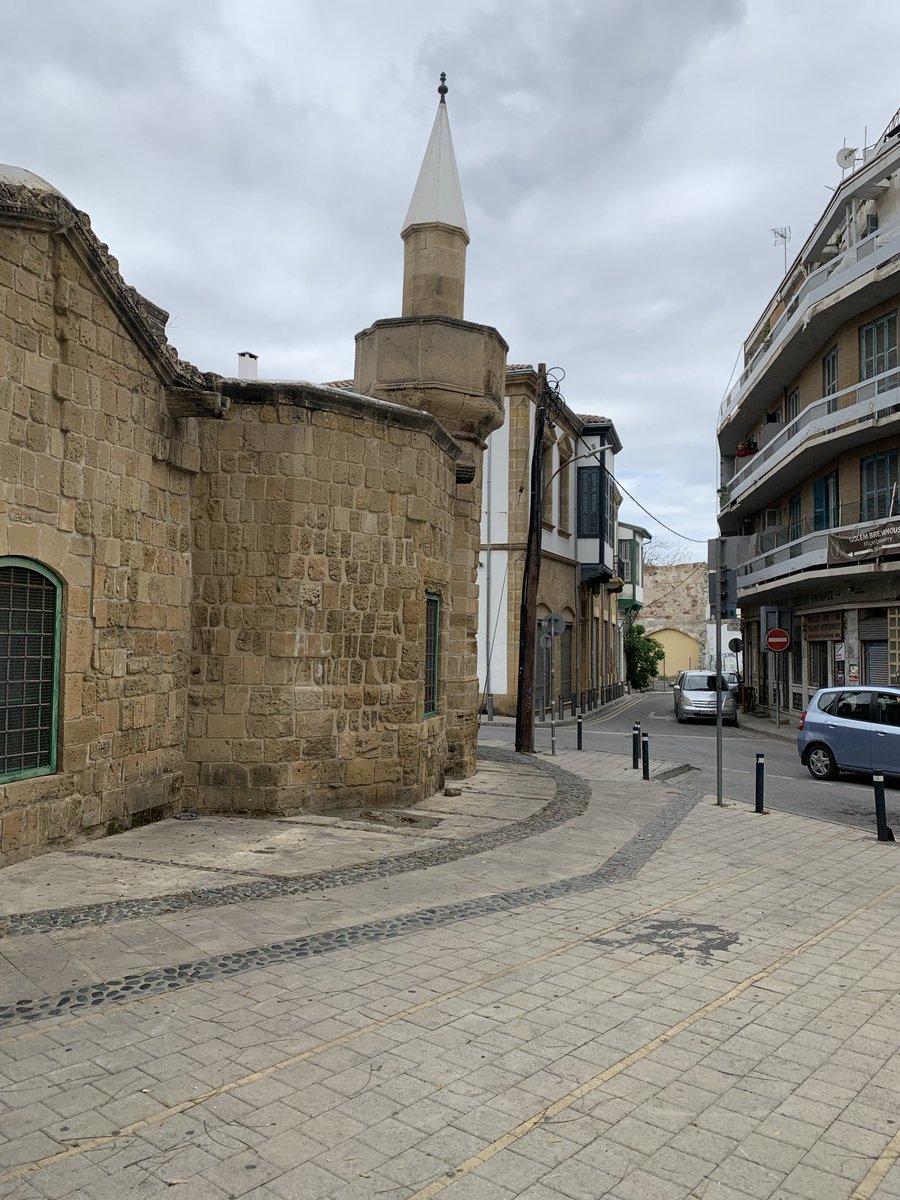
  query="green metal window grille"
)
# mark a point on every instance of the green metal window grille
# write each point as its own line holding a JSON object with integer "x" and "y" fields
{"x": 29, "y": 669}
{"x": 432, "y": 650}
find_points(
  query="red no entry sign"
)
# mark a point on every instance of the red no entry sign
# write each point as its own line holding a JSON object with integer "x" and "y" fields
{"x": 778, "y": 639}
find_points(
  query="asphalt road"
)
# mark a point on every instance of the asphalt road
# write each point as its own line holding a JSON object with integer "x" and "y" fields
{"x": 788, "y": 785}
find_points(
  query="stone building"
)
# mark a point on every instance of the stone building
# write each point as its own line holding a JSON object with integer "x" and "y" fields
{"x": 676, "y": 612}
{"x": 231, "y": 594}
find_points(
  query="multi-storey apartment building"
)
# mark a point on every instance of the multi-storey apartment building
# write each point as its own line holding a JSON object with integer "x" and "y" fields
{"x": 809, "y": 439}
{"x": 581, "y": 574}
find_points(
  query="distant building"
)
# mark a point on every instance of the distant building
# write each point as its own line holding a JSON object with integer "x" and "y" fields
{"x": 809, "y": 439}
{"x": 676, "y": 613}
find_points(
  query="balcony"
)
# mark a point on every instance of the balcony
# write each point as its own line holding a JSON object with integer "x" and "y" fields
{"x": 864, "y": 257}
{"x": 797, "y": 551}
{"x": 820, "y": 432}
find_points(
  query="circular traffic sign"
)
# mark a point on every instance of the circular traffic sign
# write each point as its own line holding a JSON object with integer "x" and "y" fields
{"x": 778, "y": 639}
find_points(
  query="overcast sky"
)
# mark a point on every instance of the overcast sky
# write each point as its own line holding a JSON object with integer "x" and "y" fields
{"x": 249, "y": 162}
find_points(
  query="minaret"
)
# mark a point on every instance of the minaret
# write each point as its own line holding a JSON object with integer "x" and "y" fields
{"x": 435, "y": 233}
{"x": 430, "y": 358}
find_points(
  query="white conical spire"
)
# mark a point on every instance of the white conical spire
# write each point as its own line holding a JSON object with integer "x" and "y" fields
{"x": 437, "y": 198}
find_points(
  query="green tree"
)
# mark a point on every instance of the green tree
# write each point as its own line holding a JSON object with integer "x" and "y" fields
{"x": 642, "y": 657}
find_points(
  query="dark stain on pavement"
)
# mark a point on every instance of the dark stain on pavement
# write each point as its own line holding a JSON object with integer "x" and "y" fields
{"x": 675, "y": 936}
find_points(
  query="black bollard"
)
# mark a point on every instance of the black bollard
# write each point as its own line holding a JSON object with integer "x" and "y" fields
{"x": 760, "y": 782}
{"x": 635, "y": 745}
{"x": 580, "y": 731}
{"x": 885, "y": 833}
{"x": 645, "y": 754}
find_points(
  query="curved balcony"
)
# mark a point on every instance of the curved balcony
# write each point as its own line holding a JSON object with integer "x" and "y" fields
{"x": 797, "y": 552}
{"x": 819, "y": 433}
{"x": 864, "y": 257}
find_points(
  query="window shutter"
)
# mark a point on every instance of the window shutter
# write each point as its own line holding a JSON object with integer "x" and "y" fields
{"x": 589, "y": 501}
{"x": 820, "y": 520}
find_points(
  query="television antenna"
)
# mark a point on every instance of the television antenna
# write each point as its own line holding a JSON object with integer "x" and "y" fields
{"x": 783, "y": 235}
{"x": 846, "y": 158}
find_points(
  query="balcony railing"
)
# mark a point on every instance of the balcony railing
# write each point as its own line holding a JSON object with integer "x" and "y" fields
{"x": 866, "y": 254}
{"x": 842, "y": 411}
{"x": 799, "y": 546}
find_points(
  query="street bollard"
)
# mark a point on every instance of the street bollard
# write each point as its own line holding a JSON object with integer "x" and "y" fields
{"x": 760, "y": 782}
{"x": 645, "y": 754}
{"x": 580, "y": 731}
{"x": 885, "y": 833}
{"x": 635, "y": 745}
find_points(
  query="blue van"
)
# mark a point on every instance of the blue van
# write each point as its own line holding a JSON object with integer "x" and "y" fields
{"x": 851, "y": 729}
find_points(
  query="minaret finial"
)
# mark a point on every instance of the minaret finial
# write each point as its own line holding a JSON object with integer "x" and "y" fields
{"x": 443, "y": 89}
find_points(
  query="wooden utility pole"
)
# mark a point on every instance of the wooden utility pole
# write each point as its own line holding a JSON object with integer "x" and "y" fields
{"x": 528, "y": 609}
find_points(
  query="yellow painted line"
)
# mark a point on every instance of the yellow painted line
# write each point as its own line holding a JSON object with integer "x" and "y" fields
{"x": 591, "y": 1085}
{"x": 311, "y": 1052}
{"x": 879, "y": 1168}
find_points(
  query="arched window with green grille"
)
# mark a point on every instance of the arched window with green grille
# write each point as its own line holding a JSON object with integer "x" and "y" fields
{"x": 30, "y": 607}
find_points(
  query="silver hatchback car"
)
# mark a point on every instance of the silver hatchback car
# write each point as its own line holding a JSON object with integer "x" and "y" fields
{"x": 695, "y": 697}
{"x": 851, "y": 729}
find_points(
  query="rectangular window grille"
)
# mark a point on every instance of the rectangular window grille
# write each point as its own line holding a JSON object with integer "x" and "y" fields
{"x": 28, "y": 650}
{"x": 432, "y": 650}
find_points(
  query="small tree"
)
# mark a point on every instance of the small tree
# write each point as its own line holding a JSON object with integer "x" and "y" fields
{"x": 643, "y": 655}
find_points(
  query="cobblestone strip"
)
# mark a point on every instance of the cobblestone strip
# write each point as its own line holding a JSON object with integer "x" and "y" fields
{"x": 621, "y": 866}
{"x": 571, "y": 800}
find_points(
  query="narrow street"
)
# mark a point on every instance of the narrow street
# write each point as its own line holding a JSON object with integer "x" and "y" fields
{"x": 563, "y": 983}
{"x": 789, "y": 786}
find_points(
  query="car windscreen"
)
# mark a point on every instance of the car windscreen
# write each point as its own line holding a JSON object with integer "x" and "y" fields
{"x": 700, "y": 683}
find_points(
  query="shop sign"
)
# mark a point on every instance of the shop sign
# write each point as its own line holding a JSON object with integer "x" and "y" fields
{"x": 866, "y": 541}
{"x": 823, "y": 627}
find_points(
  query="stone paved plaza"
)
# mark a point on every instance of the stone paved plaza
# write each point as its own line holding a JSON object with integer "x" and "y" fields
{"x": 563, "y": 983}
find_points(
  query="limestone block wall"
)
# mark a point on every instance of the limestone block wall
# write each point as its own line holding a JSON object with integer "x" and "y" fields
{"x": 676, "y": 598}
{"x": 94, "y": 486}
{"x": 316, "y": 535}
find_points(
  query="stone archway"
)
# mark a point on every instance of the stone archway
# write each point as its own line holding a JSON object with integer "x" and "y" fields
{"x": 682, "y": 651}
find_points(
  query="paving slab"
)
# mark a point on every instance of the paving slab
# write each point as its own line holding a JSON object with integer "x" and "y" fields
{"x": 647, "y": 997}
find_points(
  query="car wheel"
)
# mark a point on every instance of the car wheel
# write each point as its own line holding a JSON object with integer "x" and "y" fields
{"x": 821, "y": 763}
{"x": 734, "y": 723}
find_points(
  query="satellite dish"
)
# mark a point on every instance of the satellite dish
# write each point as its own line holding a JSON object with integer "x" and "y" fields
{"x": 846, "y": 157}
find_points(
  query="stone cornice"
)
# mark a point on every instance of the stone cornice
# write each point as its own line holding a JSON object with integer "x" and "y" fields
{"x": 50, "y": 211}
{"x": 336, "y": 400}
{"x": 450, "y": 322}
